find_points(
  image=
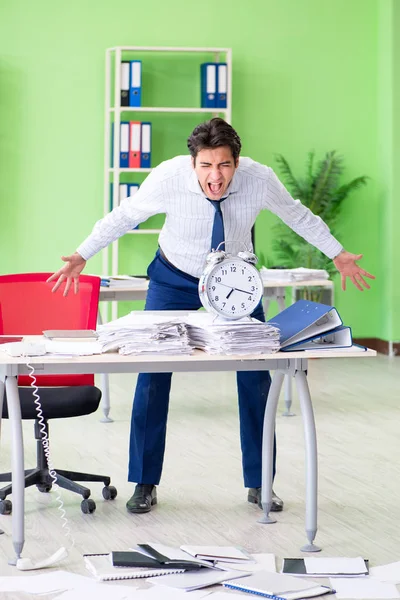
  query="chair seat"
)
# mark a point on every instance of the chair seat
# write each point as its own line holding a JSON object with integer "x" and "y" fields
{"x": 58, "y": 402}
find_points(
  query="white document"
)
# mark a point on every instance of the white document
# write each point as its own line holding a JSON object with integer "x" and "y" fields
{"x": 335, "y": 566}
{"x": 389, "y": 573}
{"x": 194, "y": 580}
{"x": 45, "y": 583}
{"x": 226, "y": 553}
{"x": 101, "y": 591}
{"x": 263, "y": 562}
{"x": 363, "y": 589}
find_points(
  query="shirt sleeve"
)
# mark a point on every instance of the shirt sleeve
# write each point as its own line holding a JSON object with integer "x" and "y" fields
{"x": 299, "y": 218}
{"x": 146, "y": 202}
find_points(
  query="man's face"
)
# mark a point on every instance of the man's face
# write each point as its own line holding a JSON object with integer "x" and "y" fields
{"x": 215, "y": 168}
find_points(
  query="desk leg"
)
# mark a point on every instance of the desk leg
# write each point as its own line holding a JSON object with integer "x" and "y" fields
{"x": 268, "y": 446}
{"x": 1, "y": 412}
{"x": 17, "y": 466}
{"x": 310, "y": 437}
{"x": 280, "y": 298}
{"x": 105, "y": 388}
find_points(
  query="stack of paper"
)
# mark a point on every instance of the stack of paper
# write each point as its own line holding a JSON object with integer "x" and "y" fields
{"x": 122, "y": 281}
{"x": 299, "y": 274}
{"x": 215, "y": 335}
{"x": 141, "y": 333}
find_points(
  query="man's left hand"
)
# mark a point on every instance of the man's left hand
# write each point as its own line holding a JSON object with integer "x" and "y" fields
{"x": 346, "y": 264}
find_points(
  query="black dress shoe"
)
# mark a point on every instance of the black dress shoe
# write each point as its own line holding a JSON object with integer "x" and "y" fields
{"x": 144, "y": 497}
{"x": 254, "y": 496}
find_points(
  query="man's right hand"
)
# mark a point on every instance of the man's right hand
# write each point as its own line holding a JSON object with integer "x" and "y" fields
{"x": 70, "y": 271}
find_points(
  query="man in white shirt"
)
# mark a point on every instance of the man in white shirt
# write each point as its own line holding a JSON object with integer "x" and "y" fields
{"x": 210, "y": 196}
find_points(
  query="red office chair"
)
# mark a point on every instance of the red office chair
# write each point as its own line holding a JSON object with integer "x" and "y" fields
{"x": 27, "y": 307}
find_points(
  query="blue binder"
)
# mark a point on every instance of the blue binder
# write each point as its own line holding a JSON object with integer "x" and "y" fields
{"x": 145, "y": 145}
{"x": 208, "y": 85}
{"x": 340, "y": 337}
{"x": 124, "y": 145}
{"x": 135, "y": 83}
{"x": 222, "y": 85}
{"x": 303, "y": 320}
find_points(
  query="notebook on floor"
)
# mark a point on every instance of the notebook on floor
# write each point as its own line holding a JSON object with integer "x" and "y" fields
{"x": 100, "y": 566}
{"x": 326, "y": 567}
{"x": 195, "y": 580}
{"x": 277, "y": 586}
{"x": 220, "y": 553}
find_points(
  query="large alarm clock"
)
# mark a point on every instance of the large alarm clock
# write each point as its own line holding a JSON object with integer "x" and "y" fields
{"x": 230, "y": 285}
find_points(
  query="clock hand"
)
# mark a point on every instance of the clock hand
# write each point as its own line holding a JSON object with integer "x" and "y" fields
{"x": 229, "y": 293}
{"x": 235, "y": 288}
{"x": 244, "y": 291}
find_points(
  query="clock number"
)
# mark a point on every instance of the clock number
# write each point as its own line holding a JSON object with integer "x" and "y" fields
{"x": 218, "y": 279}
{"x": 223, "y": 304}
{"x": 216, "y": 298}
{"x": 243, "y": 305}
{"x": 233, "y": 308}
{"x": 250, "y": 278}
{"x": 233, "y": 269}
{"x": 213, "y": 288}
{"x": 252, "y": 288}
{"x": 250, "y": 298}
{"x": 224, "y": 272}
{"x": 242, "y": 271}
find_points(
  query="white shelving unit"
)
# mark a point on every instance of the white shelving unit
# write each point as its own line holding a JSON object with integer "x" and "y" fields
{"x": 114, "y": 57}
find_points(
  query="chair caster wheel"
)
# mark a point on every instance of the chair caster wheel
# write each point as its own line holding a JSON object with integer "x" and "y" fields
{"x": 88, "y": 506}
{"x": 44, "y": 487}
{"x": 109, "y": 492}
{"x": 5, "y": 507}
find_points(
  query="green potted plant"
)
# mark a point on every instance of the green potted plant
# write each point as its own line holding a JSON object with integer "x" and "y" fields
{"x": 323, "y": 193}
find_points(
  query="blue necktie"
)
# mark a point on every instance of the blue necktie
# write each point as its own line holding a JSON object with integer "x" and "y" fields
{"x": 218, "y": 234}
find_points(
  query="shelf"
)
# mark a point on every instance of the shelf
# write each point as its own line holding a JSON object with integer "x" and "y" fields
{"x": 165, "y": 49}
{"x": 162, "y": 109}
{"x": 135, "y": 231}
{"x": 127, "y": 170}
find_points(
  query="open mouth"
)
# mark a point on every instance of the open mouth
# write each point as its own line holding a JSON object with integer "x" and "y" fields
{"x": 215, "y": 188}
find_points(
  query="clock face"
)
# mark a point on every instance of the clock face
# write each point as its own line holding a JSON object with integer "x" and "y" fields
{"x": 233, "y": 289}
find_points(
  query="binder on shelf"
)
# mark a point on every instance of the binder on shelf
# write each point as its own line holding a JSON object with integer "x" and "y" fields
{"x": 135, "y": 90}
{"x": 134, "y": 146}
{"x": 222, "y": 85}
{"x": 132, "y": 189}
{"x": 208, "y": 85}
{"x": 124, "y": 145}
{"x": 304, "y": 320}
{"x": 145, "y": 146}
{"x": 125, "y": 85}
{"x": 123, "y": 192}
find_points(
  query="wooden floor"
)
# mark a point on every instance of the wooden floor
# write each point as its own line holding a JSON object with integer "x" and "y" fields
{"x": 201, "y": 496}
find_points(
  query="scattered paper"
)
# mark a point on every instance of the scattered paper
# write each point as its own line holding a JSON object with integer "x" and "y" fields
{"x": 389, "y": 573}
{"x": 331, "y": 566}
{"x": 366, "y": 588}
{"x": 263, "y": 562}
{"x": 101, "y": 591}
{"x": 45, "y": 583}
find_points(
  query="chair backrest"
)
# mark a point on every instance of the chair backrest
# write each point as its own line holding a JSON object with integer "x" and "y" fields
{"x": 27, "y": 307}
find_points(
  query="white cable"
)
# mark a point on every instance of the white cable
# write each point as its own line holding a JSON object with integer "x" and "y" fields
{"x": 46, "y": 449}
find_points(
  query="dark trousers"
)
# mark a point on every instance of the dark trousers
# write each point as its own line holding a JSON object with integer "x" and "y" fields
{"x": 171, "y": 289}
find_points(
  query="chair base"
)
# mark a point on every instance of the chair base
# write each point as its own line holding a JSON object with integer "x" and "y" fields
{"x": 65, "y": 479}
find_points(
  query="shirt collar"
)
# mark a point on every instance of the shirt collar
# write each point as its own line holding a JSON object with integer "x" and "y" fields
{"x": 195, "y": 187}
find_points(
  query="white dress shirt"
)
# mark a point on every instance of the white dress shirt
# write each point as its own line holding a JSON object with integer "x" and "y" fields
{"x": 173, "y": 188}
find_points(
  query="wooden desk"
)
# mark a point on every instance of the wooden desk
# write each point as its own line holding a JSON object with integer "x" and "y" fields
{"x": 294, "y": 364}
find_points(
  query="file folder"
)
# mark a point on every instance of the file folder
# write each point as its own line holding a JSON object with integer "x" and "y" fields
{"x": 135, "y": 90}
{"x": 132, "y": 189}
{"x": 145, "y": 150}
{"x": 125, "y": 85}
{"x": 124, "y": 145}
{"x": 208, "y": 85}
{"x": 123, "y": 192}
{"x": 222, "y": 84}
{"x": 340, "y": 337}
{"x": 303, "y": 320}
{"x": 134, "y": 148}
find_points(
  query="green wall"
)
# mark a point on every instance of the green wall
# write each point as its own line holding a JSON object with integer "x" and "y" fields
{"x": 305, "y": 76}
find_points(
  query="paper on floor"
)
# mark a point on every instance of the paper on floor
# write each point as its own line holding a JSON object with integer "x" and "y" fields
{"x": 45, "y": 583}
{"x": 335, "y": 565}
{"x": 389, "y": 573}
{"x": 366, "y": 588}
